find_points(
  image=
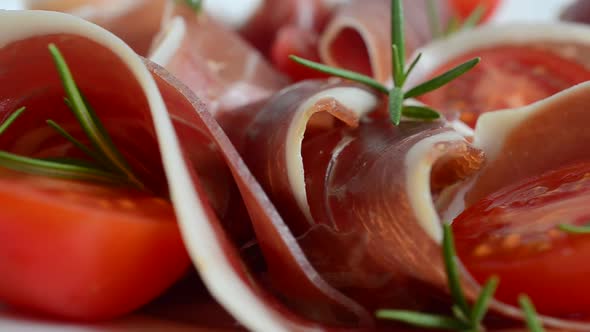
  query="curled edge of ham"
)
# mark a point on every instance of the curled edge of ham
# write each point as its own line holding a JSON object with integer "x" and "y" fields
{"x": 199, "y": 236}
{"x": 357, "y": 103}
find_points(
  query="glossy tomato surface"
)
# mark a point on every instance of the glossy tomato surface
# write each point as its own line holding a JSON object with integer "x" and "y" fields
{"x": 514, "y": 234}
{"x": 84, "y": 251}
{"x": 506, "y": 77}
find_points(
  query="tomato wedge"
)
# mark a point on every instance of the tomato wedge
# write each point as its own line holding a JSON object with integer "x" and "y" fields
{"x": 514, "y": 234}
{"x": 84, "y": 251}
{"x": 507, "y": 76}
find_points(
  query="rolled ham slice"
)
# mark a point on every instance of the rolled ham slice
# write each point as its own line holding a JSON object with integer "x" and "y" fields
{"x": 213, "y": 61}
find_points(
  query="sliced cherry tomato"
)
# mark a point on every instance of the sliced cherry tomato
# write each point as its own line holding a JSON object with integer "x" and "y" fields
{"x": 464, "y": 8}
{"x": 84, "y": 251}
{"x": 514, "y": 234}
{"x": 506, "y": 77}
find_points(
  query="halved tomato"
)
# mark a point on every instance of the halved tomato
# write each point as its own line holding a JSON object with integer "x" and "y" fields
{"x": 507, "y": 77}
{"x": 84, "y": 251}
{"x": 514, "y": 234}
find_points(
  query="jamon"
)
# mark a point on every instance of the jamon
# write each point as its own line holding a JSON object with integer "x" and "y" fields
{"x": 214, "y": 62}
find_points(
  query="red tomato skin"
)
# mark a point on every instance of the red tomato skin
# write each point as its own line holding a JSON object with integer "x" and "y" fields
{"x": 513, "y": 234}
{"x": 79, "y": 262}
{"x": 464, "y": 8}
{"x": 507, "y": 77}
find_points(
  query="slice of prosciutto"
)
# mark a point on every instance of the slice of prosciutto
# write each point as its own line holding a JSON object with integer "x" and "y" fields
{"x": 213, "y": 61}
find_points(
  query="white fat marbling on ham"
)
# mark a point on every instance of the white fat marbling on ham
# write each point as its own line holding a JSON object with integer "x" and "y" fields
{"x": 419, "y": 161}
{"x": 359, "y": 101}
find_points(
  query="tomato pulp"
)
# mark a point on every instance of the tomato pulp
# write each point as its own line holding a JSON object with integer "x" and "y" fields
{"x": 506, "y": 77}
{"x": 84, "y": 251}
{"x": 514, "y": 234}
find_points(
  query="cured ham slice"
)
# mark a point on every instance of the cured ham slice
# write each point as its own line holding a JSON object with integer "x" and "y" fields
{"x": 358, "y": 36}
{"x": 213, "y": 61}
{"x": 134, "y": 21}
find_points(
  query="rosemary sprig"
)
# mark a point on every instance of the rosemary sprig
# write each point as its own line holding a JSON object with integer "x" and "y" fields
{"x": 465, "y": 318}
{"x": 108, "y": 163}
{"x": 530, "y": 314}
{"x": 398, "y": 73}
{"x": 584, "y": 229}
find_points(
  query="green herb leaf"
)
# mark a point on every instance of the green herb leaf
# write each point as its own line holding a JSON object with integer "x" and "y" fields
{"x": 397, "y": 71}
{"x": 480, "y": 307}
{"x": 420, "y": 112}
{"x": 442, "y": 79}
{"x": 11, "y": 119}
{"x": 454, "y": 283}
{"x": 585, "y": 229}
{"x": 474, "y": 17}
{"x": 530, "y": 314}
{"x": 412, "y": 65}
{"x": 423, "y": 320}
{"x": 57, "y": 169}
{"x": 343, "y": 73}
{"x": 397, "y": 31}
{"x": 89, "y": 121}
{"x": 433, "y": 21}
{"x": 396, "y": 100}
